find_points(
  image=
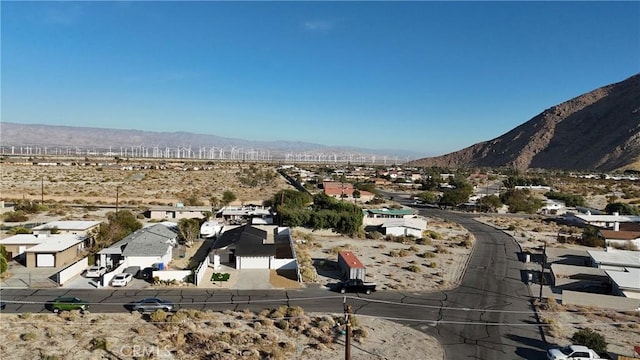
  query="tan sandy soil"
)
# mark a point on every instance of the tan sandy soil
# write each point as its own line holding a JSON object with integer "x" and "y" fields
{"x": 212, "y": 335}
{"x": 394, "y": 265}
{"x": 91, "y": 184}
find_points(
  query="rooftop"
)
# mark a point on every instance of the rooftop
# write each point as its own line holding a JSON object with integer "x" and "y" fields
{"x": 626, "y": 280}
{"x": 55, "y": 244}
{"x": 68, "y": 225}
{"x": 616, "y": 257}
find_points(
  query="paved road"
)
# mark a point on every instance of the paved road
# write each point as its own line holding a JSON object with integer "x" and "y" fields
{"x": 488, "y": 316}
{"x": 493, "y": 290}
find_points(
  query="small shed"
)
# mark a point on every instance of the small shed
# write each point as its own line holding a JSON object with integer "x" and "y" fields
{"x": 351, "y": 266}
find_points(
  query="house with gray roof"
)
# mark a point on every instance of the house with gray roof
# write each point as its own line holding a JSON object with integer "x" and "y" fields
{"x": 255, "y": 247}
{"x": 144, "y": 248}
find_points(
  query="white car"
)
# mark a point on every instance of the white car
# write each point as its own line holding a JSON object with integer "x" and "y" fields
{"x": 95, "y": 271}
{"x": 574, "y": 352}
{"x": 121, "y": 279}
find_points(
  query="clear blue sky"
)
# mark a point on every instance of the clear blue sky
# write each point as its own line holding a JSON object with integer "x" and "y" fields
{"x": 431, "y": 77}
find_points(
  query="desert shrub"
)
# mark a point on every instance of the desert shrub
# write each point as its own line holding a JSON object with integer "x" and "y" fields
{"x": 511, "y": 227}
{"x": 16, "y": 216}
{"x": 375, "y": 235}
{"x": 404, "y": 252}
{"x": 433, "y": 264}
{"x": 308, "y": 274}
{"x": 158, "y": 316}
{"x": 466, "y": 243}
{"x": 98, "y": 343}
{"x": 414, "y": 268}
{"x": 28, "y": 336}
{"x": 424, "y": 241}
{"x": 282, "y": 324}
{"x": 432, "y": 234}
{"x": 413, "y": 249}
{"x": 427, "y": 254}
{"x": 394, "y": 253}
{"x": 441, "y": 249}
{"x": 18, "y": 230}
{"x": 590, "y": 339}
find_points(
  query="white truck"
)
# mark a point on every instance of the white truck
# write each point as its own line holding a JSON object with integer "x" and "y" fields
{"x": 573, "y": 352}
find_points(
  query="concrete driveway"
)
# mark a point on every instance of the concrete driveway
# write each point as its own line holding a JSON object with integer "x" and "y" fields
{"x": 253, "y": 280}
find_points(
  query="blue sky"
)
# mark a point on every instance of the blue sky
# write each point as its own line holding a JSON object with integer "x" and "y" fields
{"x": 429, "y": 77}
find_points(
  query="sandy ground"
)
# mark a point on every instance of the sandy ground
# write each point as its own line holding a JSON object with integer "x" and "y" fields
{"x": 210, "y": 335}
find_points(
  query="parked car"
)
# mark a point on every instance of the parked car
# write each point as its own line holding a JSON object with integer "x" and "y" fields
{"x": 95, "y": 271}
{"x": 355, "y": 285}
{"x": 153, "y": 304}
{"x": 66, "y": 303}
{"x": 573, "y": 352}
{"x": 121, "y": 279}
{"x": 134, "y": 270}
{"x": 3, "y": 305}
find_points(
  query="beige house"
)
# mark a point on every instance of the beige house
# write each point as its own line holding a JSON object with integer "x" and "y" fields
{"x": 44, "y": 250}
{"x": 177, "y": 212}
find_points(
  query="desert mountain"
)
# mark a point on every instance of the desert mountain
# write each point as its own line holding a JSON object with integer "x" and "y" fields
{"x": 599, "y": 130}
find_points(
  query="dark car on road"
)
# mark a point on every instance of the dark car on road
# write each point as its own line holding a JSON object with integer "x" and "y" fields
{"x": 355, "y": 285}
{"x": 66, "y": 303}
{"x": 153, "y": 304}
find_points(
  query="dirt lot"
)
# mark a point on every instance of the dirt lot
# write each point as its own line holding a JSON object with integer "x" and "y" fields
{"x": 283, "y": 333}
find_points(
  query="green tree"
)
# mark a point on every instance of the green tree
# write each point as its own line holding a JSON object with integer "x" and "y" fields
{"x": 189, "y": 229}
{"x": 427, "y": 196}
{"x": 590, "y": 237}
{"x": 521, "y": 200}
{"x": 228, "y": 197}
{"x": 622, "y": 209}
{"x": 489, "y": 203}
{"x": 119, "y": 225}
{"x": 18, "y": 230}
{"x": 591, "y": 339}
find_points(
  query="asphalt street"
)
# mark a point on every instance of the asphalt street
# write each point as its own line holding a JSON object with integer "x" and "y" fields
{"x": 489, "y": 316}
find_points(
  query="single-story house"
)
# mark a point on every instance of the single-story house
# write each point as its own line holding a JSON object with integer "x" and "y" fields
{"x": 18, "y": 245}
{"x": 625, "y": 283}
{"x": 55, "y": 252}
{"x": 340, "y": 190}
{"x": 255, "y": 247}
{"x": 251, "y": 214}
{"x": 177, "y": 212}
{"x": 376, "y": 217}
{"x": 144, "y": 248}
{"x": 613, "y": 259}
{"x": 404, "y": 227}
{"x": 612, "y": 221}
{"x": 75, "y": 227}
{"x": 44, "y": 249}
{"x": 625, "y": 239}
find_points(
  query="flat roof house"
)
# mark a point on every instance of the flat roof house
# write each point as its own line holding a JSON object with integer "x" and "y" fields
{"x": 49, "y": 245}
{"x": 75, "y": 227}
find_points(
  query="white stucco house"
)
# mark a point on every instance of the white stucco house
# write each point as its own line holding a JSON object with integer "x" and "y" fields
{"x": 255, "y": 247}
{"x": 144, "y": 248}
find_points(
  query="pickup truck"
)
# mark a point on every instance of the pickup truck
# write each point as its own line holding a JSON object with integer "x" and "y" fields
{"x": 573, "y": 352}
{"x": 356, "y": 285}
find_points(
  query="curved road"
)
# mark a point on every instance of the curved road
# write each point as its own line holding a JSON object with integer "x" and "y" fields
{"x": 489, "y": 316}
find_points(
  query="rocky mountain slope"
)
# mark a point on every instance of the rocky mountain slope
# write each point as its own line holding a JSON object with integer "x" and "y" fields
{"x": 599, "y": 130}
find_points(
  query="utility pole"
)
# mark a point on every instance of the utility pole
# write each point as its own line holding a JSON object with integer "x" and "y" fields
{"x": 117, "y": 194}
{"x": 42, "y": 190}
{"x": 347, "y": 319}
{"x": 543, "y": 263}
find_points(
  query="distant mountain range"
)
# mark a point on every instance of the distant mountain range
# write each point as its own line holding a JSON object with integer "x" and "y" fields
{"x": 599, "y": 130}
{"x": 33, "y": 139}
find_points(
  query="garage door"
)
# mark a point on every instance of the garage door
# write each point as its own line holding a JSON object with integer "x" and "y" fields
{"x": 249, "y": 262}
{"x": 45, "y": 260}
